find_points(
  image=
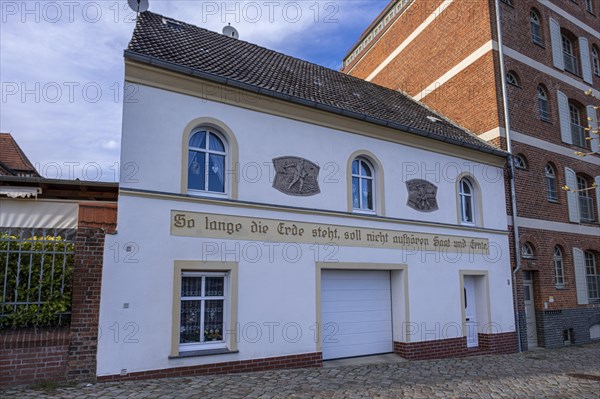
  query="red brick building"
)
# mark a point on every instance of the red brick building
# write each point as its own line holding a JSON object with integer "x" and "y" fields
{"x": 539, "y": 66}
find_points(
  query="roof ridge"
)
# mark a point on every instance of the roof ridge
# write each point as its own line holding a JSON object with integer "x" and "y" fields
{"x": 202, "y": 53}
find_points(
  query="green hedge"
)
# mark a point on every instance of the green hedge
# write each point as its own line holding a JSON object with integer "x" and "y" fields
{"x": 39, "y": 252}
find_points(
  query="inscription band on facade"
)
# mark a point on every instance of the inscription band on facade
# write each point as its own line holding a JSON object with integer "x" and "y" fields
{"x": 206, "y": 225}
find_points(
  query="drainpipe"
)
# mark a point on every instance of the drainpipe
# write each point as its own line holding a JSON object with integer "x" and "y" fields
{"x": 513, "y": 195}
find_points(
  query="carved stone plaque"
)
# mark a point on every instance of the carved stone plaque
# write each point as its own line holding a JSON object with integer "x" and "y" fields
{"x": 296, "y": 176}
{"x": 422, "y": 195}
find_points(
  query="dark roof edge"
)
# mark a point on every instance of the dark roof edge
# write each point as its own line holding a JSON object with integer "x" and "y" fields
{"x": 43, "y": 180}
{"x": 271, "y": 93}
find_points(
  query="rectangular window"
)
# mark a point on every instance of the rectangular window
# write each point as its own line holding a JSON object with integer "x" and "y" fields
{"x": 202, "y": 315}
{"x": 593, "y": 280}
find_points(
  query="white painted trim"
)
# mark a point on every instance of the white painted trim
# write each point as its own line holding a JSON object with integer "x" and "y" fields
{"x": 538, "y": 143}
{"x": 514, "y": 54}
{"x": 493, "y": 134}
{"x": 372, "y": 46}
{"x": 569, "y": 17}
{"x": 409, "y": 39}
{"x": 458, "y": 68}
{"x": 548, "y": 225}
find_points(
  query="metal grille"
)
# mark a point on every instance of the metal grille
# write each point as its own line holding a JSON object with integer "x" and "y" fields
{"x": 36, "y": 281}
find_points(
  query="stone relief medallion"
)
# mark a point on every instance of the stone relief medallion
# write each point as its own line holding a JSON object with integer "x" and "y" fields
{"x": 296, "y": 176}
{"x": 422, "y": 195}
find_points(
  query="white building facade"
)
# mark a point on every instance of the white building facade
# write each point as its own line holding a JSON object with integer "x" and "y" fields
{"x": 255, "y": 232}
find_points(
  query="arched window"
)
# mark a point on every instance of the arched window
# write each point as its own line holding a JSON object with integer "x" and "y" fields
{"x": 527, "y": 251}
{"x": 206, "y": 162}
{"x": 569, "y": 57}
{"x": 512, "y": 78}
{"x": 589, "y": 6}
{"x": 559, "y": 271}
{"x": 586, "y": 205}
{"x": 536, "y": 27}
{"x": 593, "y": 280}
{"x": 551, "y": 186}
{"x": 363, "y": 181}
{"x": 520, "y": 162}
{"x": 595, "y": 60}
{"x": 467, "y": 203}
{"x": 543, "y": 108}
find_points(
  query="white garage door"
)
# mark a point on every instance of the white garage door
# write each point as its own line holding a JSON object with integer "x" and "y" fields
{"x": 356, "y": 313}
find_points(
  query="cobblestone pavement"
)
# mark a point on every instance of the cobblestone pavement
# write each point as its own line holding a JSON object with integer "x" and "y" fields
{"x": 538, "y": 374}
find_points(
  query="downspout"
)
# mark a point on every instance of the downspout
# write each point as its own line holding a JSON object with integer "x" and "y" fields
{"x": 511, "y": 168}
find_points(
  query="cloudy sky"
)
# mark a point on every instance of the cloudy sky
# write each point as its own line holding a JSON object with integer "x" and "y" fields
{"x": 61, "y": 65}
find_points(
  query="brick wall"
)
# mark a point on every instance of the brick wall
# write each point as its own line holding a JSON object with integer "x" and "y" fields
{"x": 305, "y": 360}
{"x": 489, "y": 344}
{"x": 29, "y": 356}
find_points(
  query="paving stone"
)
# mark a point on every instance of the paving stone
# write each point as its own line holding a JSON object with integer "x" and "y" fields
{"x": 538, "y": 374}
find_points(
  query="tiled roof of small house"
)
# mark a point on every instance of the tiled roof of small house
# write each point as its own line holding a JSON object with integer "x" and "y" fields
{"x": 13, "y": 161}
{"x": 189, "y": 49}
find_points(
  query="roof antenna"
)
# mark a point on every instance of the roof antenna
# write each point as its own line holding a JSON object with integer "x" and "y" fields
{"x": 230, "y": 31}
{"x": 138, "y": 6}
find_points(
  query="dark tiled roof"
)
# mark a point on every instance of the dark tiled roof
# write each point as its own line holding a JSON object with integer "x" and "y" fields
{"x": 13, "y": 160}
{"x": 193, "y": 50}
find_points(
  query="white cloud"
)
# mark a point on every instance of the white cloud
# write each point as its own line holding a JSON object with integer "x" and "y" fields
{"x": 61, "y": 63}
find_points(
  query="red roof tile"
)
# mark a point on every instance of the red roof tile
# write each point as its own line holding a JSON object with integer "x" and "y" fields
{"x": 13, "y": 160}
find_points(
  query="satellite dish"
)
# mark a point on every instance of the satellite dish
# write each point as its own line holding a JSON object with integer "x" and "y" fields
{"x": 138, "y": 5}
{"x": 230, "y": 31}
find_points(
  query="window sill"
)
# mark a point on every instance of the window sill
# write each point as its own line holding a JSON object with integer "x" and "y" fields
{"x": 206, "y": 352}
{"x": 560, "y": 286}
{"x": 539, "y": 45}
{"x": 553, "y": 201}
{"x": 548, "y": 121}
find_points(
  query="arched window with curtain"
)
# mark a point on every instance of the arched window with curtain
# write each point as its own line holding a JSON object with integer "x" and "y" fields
{"x": 363, "y": 183}
{"x": 527, "y": 251}
{"x": 206, "y": 162}
{"x": 467, "y": 201}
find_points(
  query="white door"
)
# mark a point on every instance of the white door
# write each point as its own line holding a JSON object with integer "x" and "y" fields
{"x": 470, "y": 312}
{"x": 530, "y": 314}
{"x": 356, "y": 313}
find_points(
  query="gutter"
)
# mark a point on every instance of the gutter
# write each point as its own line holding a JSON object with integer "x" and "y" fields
{"x": 513, "y": 194}
{"x": 309, "y": 103}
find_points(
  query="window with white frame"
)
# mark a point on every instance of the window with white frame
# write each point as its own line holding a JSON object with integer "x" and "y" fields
{"x": 527, "y": 251}
{"x": 203, "y": 306}
{"x": 589, "y": 6}
{"x": 543, "y": 108}
{"x": 586, "y": 205}
{"x": 512, "y": 78}
{"x": 569, "y": 58}
{"x": 467, "y": 201}
{"x": 595, "y": 60}
{"x": 520, "y": 162}
{"x": 577, "y": 130}
{"x": 593, "y": 280}
{"x": 551, "y": 186}
{"x": 207, "y": 158}
{"x": 536, "y": 27}
{"x": 559, "y": 270}
{"x": 363, "y": 182}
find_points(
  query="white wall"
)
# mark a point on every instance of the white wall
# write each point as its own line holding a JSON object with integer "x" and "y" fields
{"x": 278, "y": 289}
{"x": 152, "y": 139}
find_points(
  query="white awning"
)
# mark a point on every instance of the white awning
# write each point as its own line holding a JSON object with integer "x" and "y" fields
{"x": 20, "y": 192}
{"x": 38, "y": 213}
